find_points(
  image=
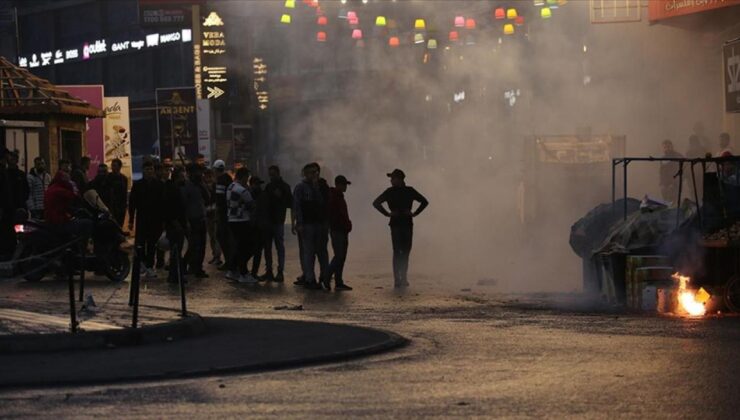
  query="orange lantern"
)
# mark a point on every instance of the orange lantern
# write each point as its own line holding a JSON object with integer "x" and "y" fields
{"x": 322, "y": 20}
{"x": 500, "y": 13}
{"x": 470, "y": 23}
{"x": 321, "y": 36}
{"x": 394, "y": 41}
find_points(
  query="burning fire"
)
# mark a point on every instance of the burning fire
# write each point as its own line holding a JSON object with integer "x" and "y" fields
{"x": 690, "y": 301}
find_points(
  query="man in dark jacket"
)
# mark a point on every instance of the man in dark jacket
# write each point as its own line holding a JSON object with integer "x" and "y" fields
{"x": 340, "y": 226}
{"x": 175, "y": 221}
{"x": 117, "y": 192}
{"x": 145, "y": 208}
{"x": 18, "y": 182}
{"x": 279, "y": 200}
{"x": 309, "y": 205}
{"x": 79, "y": 174}
{"x": 400, "y": 198}
{"x": 99, "y": 183}
{"x": 223, "y": 232}
{"x": 261, "y": 223}
{"x": 194, "y": 198}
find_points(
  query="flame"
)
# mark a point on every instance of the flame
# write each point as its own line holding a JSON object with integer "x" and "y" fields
{"x": 687, "y": 298}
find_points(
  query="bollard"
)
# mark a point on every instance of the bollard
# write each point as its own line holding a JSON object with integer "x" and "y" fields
{"x": 135, "y": 281}
{"x": 181, "y": 281}
{"x": 72, "y": 308}
{"x": 83, "y": 249}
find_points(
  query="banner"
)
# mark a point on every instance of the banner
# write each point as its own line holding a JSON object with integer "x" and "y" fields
{"x": 664, "y": 9}
{"x": 204, "y": 129}
{"x": 118, "y": 133}
{"x": 177, "y": 123}
{"x": 732, "y": 75}
{"x": 92, "y": 94}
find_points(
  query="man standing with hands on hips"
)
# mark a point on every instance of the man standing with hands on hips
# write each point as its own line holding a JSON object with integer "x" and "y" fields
{"x": 400, "y": 198}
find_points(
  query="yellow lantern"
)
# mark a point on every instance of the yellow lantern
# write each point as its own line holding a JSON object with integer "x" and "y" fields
{"x": 380, "y": 21}
{"x": 418, "y": 39}
{"x": 545, "y": 13}
{"x": 420, "y": 24}
{"x": 432, "y": 44}
{"x": 285, "y": 18}
{"x": 508, "y": 29}
{"x": 511, "y": 14}
{"x": 290, "y": 4}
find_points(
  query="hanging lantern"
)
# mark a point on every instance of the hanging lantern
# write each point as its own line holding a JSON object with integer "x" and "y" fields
{"x": 470, "y": 23}
{"x": 420, "y": 24}
{"x": 285, "y": 18}
{"x": 321, "y": 36}
{"x": 454, "y": 36}
{"x": 511, "y": 14}
{"x": 351, "y": 15}
{"x": 545, "y": 13}
{"x": 539, "y": 2}
{"x": 418, "y": 39}
{"x": 459, "y": 22}
{"x": 290, "y": 4}
{"x": 357, "y": 34}
{"x": 500, "y": 13}
{"x": 314, "y": 3}
{"x": 322, "y": 21}
{"x": 508, "y": 29}
{"x": 432, "y": 44}
{"x": 353, "y": 20}
{"x": 394, "y": 41}
{"x": 380, "y": 21}
{"x": 519, "y": 21}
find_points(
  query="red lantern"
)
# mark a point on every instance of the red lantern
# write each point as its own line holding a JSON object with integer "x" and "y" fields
{"x": 394, "y": 41}
{"x": 470, "y": 23}
{"x": 500, "y": 13}
{"x": 322, "y": 20}
{"x": 351, "y": 15}
{"x": 353, "y": 20}
{"x": 321, "y": 36}
{"x": 357, "y": 34}
{"x": 454, "y": 36}
{"x": 519, "y": 21}
{"x": 314, "y": 3}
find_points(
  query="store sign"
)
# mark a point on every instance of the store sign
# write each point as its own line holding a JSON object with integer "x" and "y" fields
{"x": 118, "y": 132}
{"x": 212, "y": 62}
{"x": 177, "y": 123}
{"x": 102, "y": 48}
{"x": 259, "y": 77}
{"x": 732, "y": 76}
{"x": 664, "y": 9}
{"x": 164, "y": 15}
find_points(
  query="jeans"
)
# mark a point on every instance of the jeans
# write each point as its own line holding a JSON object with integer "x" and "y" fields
{"x": 196, "y": 246}
{"x": 243, "y": 235}
{"x": 402, "y": 238}
{"x": 211, "y": 228}
{"x": 225, "y": 240}
{"x": 176, "y": 239}
{"x": 315, "y": 240}
{"x": 147, "y": 235}
{"x": 276, "y": 234}
{"x": 339, "y": 243}
{"x": 258, "y": 245}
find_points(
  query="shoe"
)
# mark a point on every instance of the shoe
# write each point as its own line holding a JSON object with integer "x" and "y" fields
{"x": 325, "y": 284}
{"x": 247, "y": 279}
{"x": 279, "y": 278}
{"x": 342, "y": 286}
{"x": 267, "y": 276}
{"x": 232, "y": 275}
{"x": 401, "y": 285}
{"x": 300, "y": 281}
{"x": 151, "y": 273}
{"x": 314, "y": 285}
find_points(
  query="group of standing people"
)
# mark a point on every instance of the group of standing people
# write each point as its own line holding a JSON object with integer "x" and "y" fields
{"x": 669, "y": 171}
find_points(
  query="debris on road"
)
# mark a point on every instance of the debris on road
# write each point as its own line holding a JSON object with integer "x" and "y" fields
{"x": 289, "y": 308}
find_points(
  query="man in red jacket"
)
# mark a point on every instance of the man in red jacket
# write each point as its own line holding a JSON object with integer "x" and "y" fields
{"x": 60, "y": 200}
{"x": 340, "y": 226}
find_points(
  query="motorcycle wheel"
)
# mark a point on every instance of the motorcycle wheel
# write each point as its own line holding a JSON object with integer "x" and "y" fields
{"x": 732, "y": 294}
{"x": 118, "y": 266}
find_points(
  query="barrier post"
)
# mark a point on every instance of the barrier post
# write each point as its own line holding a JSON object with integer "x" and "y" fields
{"x": 181, "y": 281}
{"x": 83, "y": 252}
{"x": 72, "y": 308}
{"x": 135, "y": 281}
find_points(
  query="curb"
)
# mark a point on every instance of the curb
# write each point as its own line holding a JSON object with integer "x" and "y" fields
{"x": 190, "y": 326}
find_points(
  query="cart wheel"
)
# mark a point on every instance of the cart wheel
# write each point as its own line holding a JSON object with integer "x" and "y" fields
{"x": 732, "y": 294}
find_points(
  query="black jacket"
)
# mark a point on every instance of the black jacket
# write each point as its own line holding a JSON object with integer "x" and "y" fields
{"x": 145, "y": 204}
{"x": 279, "y": 200}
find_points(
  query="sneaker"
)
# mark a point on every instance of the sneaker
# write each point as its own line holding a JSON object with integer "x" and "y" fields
{"x": 342, "y": 286}
{"x": 151, "y": 273}
{"x": 267, "y": 276}
{"x": 325, "y": 284}
{"x": 279, "y": 278}
{"x": 232, "y": 275}
{"x": 300, "y": 281}
{"x": 247, "y": 279}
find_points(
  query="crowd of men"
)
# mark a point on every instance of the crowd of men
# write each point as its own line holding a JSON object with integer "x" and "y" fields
{"x": 184, "y": 207}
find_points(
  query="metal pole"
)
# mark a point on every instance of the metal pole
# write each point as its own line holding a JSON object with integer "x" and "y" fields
{"x": 626, "y": 162}
{"x": 696, "y": 195}
{"x": 72, "y": 308}
{"x": 614, "y": 186}
{"x": 83, "y": 253}
{"x": 135, "y": 276}
{"x": 680, "y": 192}
{"x": 135, "y": 287}
{"x": 181, "y": 281}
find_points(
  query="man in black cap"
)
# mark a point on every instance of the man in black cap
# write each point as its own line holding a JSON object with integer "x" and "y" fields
{"x": 400, "y": 198}
{"x": 340, "y": 226}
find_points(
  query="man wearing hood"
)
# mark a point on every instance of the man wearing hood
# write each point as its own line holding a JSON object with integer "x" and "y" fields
{"x": 60, "y": 201}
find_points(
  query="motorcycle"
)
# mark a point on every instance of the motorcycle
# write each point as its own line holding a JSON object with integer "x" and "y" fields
{"x": 42, "y": 249}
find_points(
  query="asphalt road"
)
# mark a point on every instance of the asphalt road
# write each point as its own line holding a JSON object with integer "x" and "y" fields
{"x": 473, "y": 353}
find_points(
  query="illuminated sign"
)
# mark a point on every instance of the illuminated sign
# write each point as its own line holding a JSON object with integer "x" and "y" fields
{"x": 211, "y": 66}
{"x": 259, "y": 73}
{"x": 72, "y": 54}
{"x": 97, "y": 47}
{"x": 58, "y": 57}
{"x": 213, "y": 19}
{"x": 46, "y": 58}
{"x": 152, "y": 40}
{"x": 23, "y": 62}
{"x": 171, "y": 37}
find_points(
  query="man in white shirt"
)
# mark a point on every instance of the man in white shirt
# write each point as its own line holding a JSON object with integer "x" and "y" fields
{"x": 240, "y": 203}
